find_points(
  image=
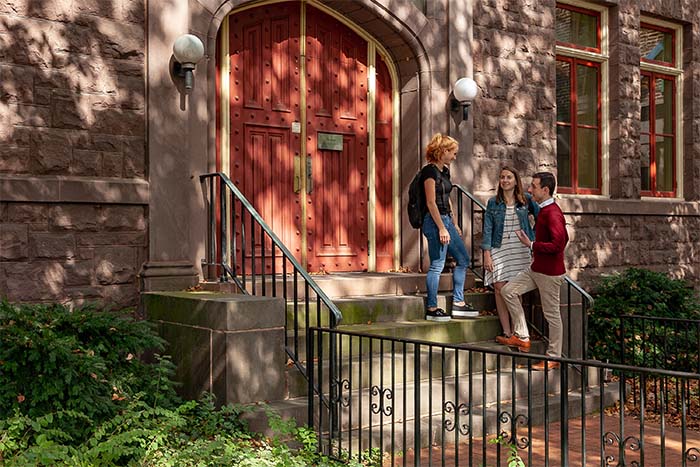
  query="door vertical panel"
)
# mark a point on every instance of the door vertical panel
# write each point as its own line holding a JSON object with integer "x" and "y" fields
{"x": 384, "y": 207}
{"x": 264, "y": 48}
{"x": 337, "y": 104}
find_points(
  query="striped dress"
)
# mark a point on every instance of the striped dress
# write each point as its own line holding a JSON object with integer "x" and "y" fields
{"x": 512, "y": 256}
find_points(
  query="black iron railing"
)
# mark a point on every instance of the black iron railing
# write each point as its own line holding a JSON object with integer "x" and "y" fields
{"x": 659, "y": 342}
{"x": 243, "y": 249}
{"x": 576, "y": 300}
{"x": 409, "y": 402}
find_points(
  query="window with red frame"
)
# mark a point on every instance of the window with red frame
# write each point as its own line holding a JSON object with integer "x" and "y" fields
{"x": 578, "y": 86}
{"x": 658, "y": 105}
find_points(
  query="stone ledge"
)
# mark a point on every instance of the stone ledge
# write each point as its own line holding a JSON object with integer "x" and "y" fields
{"x": 217, "y": 311}
{"x": 636, "y": 207}
{"x": 63, "y": 189}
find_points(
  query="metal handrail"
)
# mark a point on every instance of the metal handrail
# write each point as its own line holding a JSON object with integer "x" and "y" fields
{"x": 386, "y": 390}
{"x": 229, "y": 271}
{"x": 477, "y": 206}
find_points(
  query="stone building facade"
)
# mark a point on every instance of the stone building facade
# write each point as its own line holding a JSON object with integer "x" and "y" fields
{"x": 101, "y": 148}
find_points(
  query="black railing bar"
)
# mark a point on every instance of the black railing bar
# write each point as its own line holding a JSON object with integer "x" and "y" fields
{"x": 405, "y": 407}
{"x": 223, "y": 241}
{"x": 416, "y": 405}
{"x": 659, "y": 318}
{"x": 473, "y": 198}
{"x": 262, "y": 261}
{"x": 252, "y": 256}
{"x": 545, "y": 382}
{"x": 642, "y": 410}
{"x": 310, "y": 378}
{"x": 529, "y": 356}
{"x": 234, "y": 241}
{"x": 211, "y": 234}
{"x": 285, "y": 251}
{"x": 243, "y": 243}
{"x": 564, "y": 412}
{"x": 579, "y": 289}
{"x": 235, "y": 279}
{"x": 273, "y": 283}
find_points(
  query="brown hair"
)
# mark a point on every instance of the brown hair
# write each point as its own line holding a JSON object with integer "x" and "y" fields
{"x": 438, "y": 145}
{"x": 518, "y": 192}
{"x": 547, "y": 180}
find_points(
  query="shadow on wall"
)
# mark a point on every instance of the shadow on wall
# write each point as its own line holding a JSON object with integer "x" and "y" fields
{"x": 72, "y": 104}
{"x": 603, "y": 243}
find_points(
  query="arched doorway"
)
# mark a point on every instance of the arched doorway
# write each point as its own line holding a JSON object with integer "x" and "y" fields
{"x": 311, "y": 138}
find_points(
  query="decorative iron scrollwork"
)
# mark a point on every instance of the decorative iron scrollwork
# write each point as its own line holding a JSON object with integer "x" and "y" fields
{"x": 461, "y": 410}
{"x": 381, "y": 407}
{"x": 632, "y": 443}
{"x": 692, "y": 454}
{"x": 337, "y": 390}
{"x": 519, "y": 420}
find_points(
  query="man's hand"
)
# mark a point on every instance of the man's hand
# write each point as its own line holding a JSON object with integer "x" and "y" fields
{"x": 524, "y": 239}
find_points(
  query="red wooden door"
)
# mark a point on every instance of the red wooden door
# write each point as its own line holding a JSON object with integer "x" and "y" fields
{"x": 384, "y": 212}
{"x": 264, "y": 45}
{"x": 336, "y": 106}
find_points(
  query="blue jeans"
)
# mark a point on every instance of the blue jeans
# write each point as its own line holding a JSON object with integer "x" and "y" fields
{"x": 438, "y": 253}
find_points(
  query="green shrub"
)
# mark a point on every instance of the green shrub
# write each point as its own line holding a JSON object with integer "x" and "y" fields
{"x": 634, "y": 292}
{"x": 57, "y": 361}
{"x": 74, "y": 392}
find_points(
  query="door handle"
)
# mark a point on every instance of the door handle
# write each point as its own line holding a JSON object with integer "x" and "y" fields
{"x": 309, "y": 176}
{"x": 297, "y": 174}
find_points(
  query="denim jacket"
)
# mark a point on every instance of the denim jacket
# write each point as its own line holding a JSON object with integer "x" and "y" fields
{"x": 495, "y": 218}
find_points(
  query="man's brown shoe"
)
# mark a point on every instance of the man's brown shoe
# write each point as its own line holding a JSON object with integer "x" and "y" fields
{"x": 540, "y": 366}
{"x": 514, "y": 341}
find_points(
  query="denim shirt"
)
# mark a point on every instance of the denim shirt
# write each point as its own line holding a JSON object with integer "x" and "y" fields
{"x": 495, "y": 219}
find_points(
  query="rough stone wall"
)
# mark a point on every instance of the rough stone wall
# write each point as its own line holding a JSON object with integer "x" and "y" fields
{"x": 514, "y": 67}
{"x": 72, "y": 108}
{"x": 72, "y": 253}
{"x": 604, "y": 244}
{"x": 514, "y": 120}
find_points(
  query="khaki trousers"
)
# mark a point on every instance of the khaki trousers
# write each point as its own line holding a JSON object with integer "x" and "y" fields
{"x": 549, "y": 288}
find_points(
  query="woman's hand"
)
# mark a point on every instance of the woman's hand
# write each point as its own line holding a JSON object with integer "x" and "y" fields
{"x": 444, "y": 236}
{"x": 459, "y": 231}
{"x": 488, "y": 262}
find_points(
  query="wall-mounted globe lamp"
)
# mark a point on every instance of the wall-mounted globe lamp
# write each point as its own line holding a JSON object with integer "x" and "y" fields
{"x": 463, "y": 94}
{"x": 188, "y": 50}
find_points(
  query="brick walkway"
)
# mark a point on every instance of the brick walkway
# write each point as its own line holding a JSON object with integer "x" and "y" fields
{"x": 652, "y": 447}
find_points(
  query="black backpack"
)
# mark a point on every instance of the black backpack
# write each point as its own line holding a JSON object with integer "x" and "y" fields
{"x": 416, "y": 202}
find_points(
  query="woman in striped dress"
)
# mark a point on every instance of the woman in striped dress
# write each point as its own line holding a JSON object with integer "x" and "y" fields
{"x": 504, "y": 254}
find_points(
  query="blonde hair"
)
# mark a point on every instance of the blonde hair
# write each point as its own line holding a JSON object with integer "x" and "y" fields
{"x": 438, "y": 145}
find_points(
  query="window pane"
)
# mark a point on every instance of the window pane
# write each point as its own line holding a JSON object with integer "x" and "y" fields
{"x": 587, "y": 95}
{"x": 664, "y": 164}
{"x": 577, "y": 28}
{"x": 587, "y": 151}
{"x": 663, "y": 99}
{"x": 563, "y": 92}
{"x": 564, "y": 155}
{"x": 644, "y": 150}
{"x": 656, "y": 45}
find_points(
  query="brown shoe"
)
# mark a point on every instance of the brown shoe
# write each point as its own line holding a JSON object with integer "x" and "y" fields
{"x": 514, "y": 341}
{"x": 540, "y": 366}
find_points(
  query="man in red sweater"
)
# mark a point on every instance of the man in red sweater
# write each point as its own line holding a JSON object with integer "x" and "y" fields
{"x": 546, "y": 272}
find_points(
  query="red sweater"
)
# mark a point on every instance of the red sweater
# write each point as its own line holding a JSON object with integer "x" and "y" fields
{"x": 550, "y": 240}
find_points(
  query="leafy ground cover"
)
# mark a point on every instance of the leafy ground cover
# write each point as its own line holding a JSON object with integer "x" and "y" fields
{"x": 78, "y": 388}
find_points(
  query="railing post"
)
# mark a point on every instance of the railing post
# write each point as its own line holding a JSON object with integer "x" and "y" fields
{"x": 224, "y": 230}
{"x": 416, "y": 402}
{"x": 564, "y": 402}
{"x": 310, "y": 376}
{"x": 622, "y": 340}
